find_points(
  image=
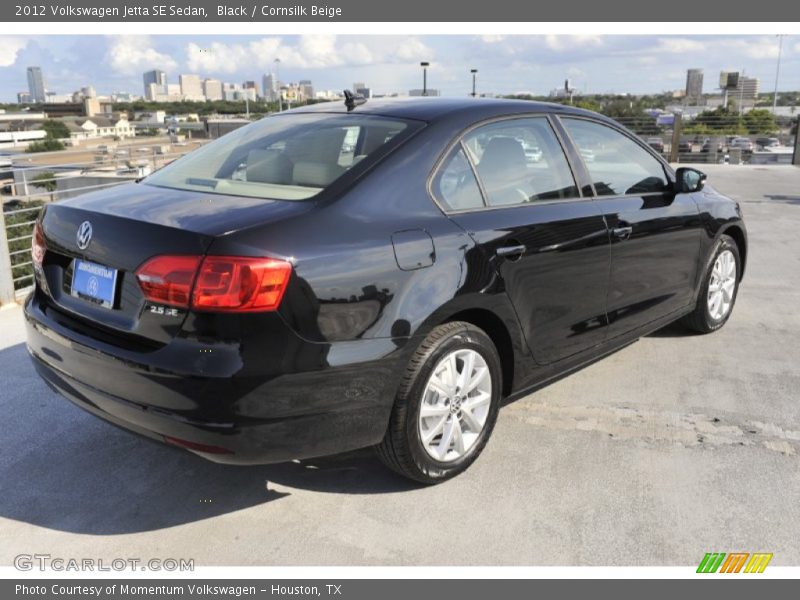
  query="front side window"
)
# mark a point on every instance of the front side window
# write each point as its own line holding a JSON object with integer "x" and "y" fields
{"x": 617, "y": 165}
{"x": 285, "y": 157}
{"x": 520, "y": 161}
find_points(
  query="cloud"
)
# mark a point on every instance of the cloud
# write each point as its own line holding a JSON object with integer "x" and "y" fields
{"x": 309, "y": 52}
{"x": 492, "y": 38}
{"x": 680, "y": 45}
{"x": 9, "y": 48}
{"x": 131, "y": 55}
{"x": 560, "y": 43}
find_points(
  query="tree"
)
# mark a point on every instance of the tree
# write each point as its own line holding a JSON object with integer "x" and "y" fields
{"x": 46, "y": 181}
{"x": 55, "y": 129}
{"x": 760, "y": 120}
{"x": 46, "y": 145}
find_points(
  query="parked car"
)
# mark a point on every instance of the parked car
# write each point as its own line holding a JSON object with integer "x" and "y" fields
{"x": 712, "y": 146}
{"x": 312, "y": 308}
{"x": 767, "y": 142}
{"x": 656, "y": 143}
{"x": 741, "y": 143}
{"x": 685, "y": 147}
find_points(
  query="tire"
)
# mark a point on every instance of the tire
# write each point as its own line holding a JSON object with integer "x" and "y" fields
{"x": 403, "y": 448}
{"x": 703, "y": 319}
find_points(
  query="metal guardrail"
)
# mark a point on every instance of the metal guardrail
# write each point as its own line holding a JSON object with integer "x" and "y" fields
{"x": 18, "y": 219}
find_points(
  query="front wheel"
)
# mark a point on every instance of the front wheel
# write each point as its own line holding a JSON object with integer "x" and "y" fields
{"x": 720, "y": 286}
{"x": 446, "y": 406}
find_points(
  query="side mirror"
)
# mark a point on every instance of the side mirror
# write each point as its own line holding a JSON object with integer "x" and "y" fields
{"x": 688, "y": 180}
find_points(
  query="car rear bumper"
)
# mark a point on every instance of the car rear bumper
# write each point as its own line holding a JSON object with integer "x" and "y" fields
{"x": 337, "y": 398}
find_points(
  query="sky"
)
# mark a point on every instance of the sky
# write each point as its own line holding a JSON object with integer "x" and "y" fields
{"x": 506, "y": 64}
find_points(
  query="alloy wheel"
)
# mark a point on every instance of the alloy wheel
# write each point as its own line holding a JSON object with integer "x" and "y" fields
{"x": 722, "y": 285}
{"x": 455, "y": 405}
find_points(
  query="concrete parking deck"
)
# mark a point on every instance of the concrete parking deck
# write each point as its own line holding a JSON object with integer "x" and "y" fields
{"x": 673, "y": 447}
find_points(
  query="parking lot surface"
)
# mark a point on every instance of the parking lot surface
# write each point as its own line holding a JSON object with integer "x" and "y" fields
{"x": 675, "y": 446}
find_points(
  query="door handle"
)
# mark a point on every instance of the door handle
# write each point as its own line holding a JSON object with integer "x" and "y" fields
{"x": 511, "y": 252}
{"x": 622, "y": 233}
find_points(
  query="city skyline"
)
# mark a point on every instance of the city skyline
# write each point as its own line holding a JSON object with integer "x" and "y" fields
{"x": 506, "y": 64}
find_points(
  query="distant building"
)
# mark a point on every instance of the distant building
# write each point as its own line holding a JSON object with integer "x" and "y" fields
{"x": 191, "y": 87}
{"x": 694, "y": 87}
{"x": 36, "y": 84}
{"x": 24, "y": 98}
{"x": 428, "y": 92}
{"x": 269, "y": 84}
{"x": 306, "y": 89}
{"x": 746, "y": 91}
{"x": 251, "y": 85}
{"x": 155, "y": 78}
{"x": 212, "y": 89}
{"x": 564, "y": 92}
{"x": 84, "y": 128}
{"x": 359, "y": 85}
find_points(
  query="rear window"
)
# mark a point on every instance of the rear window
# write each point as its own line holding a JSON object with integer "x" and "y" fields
{"x": 285, "y": 157}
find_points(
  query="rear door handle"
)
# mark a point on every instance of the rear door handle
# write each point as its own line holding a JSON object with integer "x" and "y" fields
{"x": 511, "y": 252}
{"x": 622, "y": 233}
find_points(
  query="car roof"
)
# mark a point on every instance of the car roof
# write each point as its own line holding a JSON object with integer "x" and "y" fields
{"x": 434, "y": 108}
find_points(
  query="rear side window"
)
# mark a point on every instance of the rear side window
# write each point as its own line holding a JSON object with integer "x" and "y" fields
{"x": 455, "y": 184}
{"x": 520, "y": 161}
{"x": 617, "y": 165}
{"x": 285, "y": 157}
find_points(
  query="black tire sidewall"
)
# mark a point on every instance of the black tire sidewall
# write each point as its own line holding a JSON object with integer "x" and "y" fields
{"x": 468, "y": 338}
{"x": 724, "y": 243}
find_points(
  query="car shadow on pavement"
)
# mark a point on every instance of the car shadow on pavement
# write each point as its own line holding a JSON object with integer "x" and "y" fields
{"x": 783, "y": 198}
{"x": 676, "y": 329}
{"x": 66, "y": 470}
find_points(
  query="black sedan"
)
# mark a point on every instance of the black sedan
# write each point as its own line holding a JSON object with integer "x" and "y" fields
{"x": 385, "y": 274}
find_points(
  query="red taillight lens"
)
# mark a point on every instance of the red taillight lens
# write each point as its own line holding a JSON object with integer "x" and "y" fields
{"x": 168, "y": 279}
{"x": 38, "y": 247}
{"x": 220, "y": 283}
{"x": 235, "y": 283}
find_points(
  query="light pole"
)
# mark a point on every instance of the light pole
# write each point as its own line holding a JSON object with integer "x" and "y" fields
{"x": 474, "y": 77}
{"x": 277, "y": 83}
{"x": 424, "y": 65}
{"x": 777, "y": 75}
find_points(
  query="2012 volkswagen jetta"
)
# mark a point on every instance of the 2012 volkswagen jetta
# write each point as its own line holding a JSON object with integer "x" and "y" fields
{"x": 382, "y": 274}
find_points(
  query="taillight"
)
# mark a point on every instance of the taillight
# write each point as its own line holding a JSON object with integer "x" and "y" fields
{"x": 38, "y": 246}
{"x": 168, "y": 279}
{"x": 215, "y": 283}
{"x": 234, "y": 283}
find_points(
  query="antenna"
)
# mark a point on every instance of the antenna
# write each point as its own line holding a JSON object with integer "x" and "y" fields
{"x": 352, "y": 100}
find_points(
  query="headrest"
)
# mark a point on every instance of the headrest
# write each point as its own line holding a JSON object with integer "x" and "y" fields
{"x": 316, "y": 174}
{"x": 268, "y": 166}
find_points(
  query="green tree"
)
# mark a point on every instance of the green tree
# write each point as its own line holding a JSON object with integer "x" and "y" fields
{"x": 760, "y": 120}
{"x": 55, "y": 129}
{"x": 45, "y": 145}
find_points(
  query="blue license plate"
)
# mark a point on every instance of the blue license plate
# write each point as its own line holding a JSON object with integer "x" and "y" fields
{"x": 94, "y": 282}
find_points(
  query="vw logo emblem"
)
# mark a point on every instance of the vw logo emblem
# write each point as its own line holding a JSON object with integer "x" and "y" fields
{"x": 84, "y": 235}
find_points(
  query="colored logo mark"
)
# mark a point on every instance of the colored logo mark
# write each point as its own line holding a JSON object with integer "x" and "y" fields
{"x": 734, "y": 562}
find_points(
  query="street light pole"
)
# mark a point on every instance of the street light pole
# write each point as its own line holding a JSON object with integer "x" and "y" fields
{"x": 777, "y": 75}
{"x": 424, "y": 65}
{"x": 278, "y": 83}
{"x": 474, "y": 77}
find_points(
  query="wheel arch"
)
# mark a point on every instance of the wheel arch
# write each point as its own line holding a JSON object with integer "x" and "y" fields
{"x": 737, "y": 233}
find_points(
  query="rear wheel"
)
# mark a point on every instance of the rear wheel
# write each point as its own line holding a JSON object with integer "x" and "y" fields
{"x": 446, "y": 406}
{"x": 720, "y": 286}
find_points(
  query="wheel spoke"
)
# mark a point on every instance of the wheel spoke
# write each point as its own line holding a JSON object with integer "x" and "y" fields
{"x": 470, "y": 420}
{"x": 440, "y": 387}
{"x": 476, "y": 401}
{"x": 480, "y": 374}
{"x": 433, "y": 410}
{"x": 447, "y": 437}
{"x": 436, "y": 430}
{"x": 466, "y": 371}
{"x": 458, "y": 437}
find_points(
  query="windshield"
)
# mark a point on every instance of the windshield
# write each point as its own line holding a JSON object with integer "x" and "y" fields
{"x": 283, "y": 157}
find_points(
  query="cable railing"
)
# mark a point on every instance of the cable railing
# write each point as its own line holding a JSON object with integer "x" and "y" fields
{"x": 26, "y": 192}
